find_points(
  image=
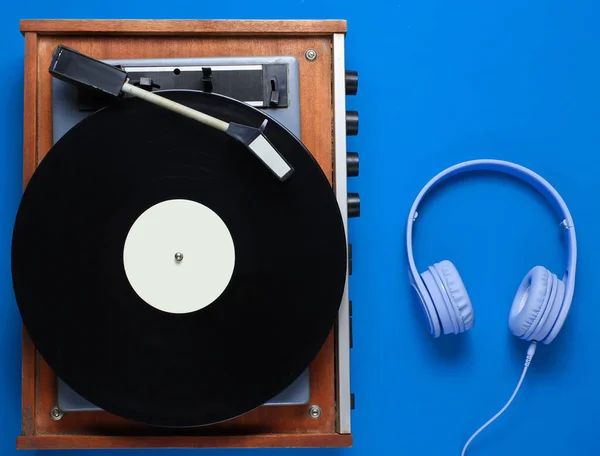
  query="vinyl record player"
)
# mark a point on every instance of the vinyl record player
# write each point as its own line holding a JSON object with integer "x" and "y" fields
{"x": 123, "y": 330}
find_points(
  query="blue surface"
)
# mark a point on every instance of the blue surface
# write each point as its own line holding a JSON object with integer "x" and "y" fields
{"x": 505, "y": 79}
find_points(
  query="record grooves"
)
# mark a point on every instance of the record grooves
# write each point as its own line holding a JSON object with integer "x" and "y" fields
{"x": 121, "y": 353}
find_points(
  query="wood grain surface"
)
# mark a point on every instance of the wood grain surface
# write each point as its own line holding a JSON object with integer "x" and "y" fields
{"x": 287, "y": 426}
{"x": 30, "y": 99}
{"x": 237, "y": 441}
{"x": 184, "y": 27}
{"x": 30, "y": 137}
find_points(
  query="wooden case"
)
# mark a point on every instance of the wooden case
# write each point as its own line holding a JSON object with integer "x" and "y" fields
{"x": 275, "y": 426}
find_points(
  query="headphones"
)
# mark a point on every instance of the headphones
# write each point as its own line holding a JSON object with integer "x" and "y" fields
{"x": 542, "y": 302}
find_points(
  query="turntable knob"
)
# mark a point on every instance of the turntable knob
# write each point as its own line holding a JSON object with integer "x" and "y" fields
{"x": 352, "y": 164}
{"x": 353, "y": 205}
{"x": 351, "y": 82}
{"x": 351, "y": 123}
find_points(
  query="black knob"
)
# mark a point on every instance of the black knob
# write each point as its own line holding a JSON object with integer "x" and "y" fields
{"x": 353, "y": 205}
{"x": 351, "y": 82}
{"x": 351, "y": 123}
{"x": 352, "y": 164}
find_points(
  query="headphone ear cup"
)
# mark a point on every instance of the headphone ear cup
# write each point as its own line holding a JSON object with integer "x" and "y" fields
{"x": 442, "y": 311}
{"x": 449, "y": 296}
{"x": 457, "y": 293}
{"x": 549, "y": 321}
{"x": 530, "y": 302}
{"x": 426, "y": 309}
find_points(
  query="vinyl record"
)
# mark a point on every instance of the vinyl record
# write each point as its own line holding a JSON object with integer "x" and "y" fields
{"x": 165, "y": 274}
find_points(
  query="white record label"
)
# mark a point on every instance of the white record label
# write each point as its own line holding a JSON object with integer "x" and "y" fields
{"x": 179, "y": 256}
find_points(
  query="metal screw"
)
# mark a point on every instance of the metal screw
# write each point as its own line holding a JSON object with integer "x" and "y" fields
{"x": 311, "y": 55}
{"x": 314, "y": 411}
{"x": 56, "y": 413}
{"x": 178, "y": 256}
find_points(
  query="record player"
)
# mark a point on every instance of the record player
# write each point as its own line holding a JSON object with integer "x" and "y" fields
{"x": 122, "y": 345}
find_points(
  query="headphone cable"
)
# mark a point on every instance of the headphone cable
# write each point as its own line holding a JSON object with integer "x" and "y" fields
{"x": 530, "y": 353}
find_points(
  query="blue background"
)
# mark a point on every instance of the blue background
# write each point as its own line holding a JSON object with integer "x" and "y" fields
{"x": 440, "y": 82}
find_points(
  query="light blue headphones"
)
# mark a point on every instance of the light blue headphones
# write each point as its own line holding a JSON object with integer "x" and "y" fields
{"x": 542, "y": 302}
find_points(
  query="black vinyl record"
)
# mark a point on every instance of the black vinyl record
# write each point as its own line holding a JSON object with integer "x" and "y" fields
{"x": 130, "y": 358}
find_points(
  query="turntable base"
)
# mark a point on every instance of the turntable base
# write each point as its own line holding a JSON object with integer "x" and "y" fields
{"x": 267, "y": 426}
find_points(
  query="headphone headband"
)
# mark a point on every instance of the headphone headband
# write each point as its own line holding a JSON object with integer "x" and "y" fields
{"x": 531, "y": 178}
